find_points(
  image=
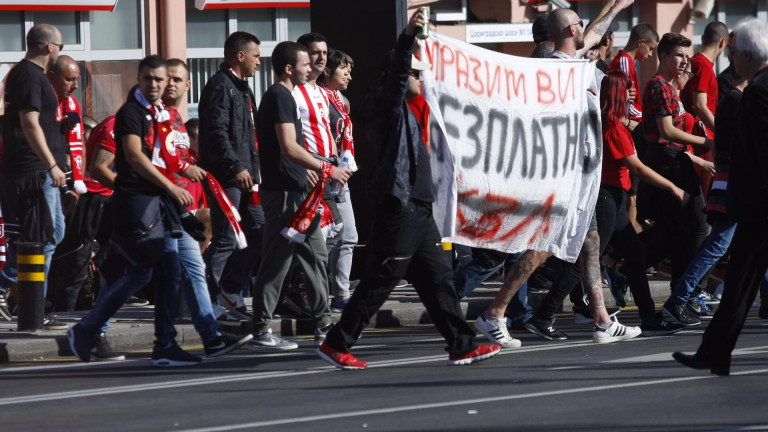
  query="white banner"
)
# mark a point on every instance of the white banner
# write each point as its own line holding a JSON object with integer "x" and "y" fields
{"x": 516, "y": 148}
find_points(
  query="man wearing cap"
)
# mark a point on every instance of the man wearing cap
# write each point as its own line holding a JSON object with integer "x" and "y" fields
{"x": 404, "y": 239}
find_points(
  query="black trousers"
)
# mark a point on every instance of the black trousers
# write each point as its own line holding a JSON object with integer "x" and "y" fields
{"x": 614, "y": 226}
{"x": 404, "y": 243}
{"x": 749, "y": 260}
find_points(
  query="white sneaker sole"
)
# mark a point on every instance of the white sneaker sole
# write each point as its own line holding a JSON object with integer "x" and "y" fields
{"x": 466, "y": 361}
{"x": 229, "y": 349}
{"x": 256, "y": 347}
{"x": 333, "y": 362}
{"x": 513, "y": 343}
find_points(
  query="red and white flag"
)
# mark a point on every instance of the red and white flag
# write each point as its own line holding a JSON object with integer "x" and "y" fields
{"x": 233, "y": 216}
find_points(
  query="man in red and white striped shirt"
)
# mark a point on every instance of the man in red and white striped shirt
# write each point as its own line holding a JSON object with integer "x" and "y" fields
{"x": 313, "y": 103}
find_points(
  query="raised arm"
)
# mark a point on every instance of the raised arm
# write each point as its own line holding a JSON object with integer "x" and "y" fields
{"x": 597, "y": 28}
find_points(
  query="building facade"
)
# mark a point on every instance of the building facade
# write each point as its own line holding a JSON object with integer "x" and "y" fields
{"x": 109, "y": 37}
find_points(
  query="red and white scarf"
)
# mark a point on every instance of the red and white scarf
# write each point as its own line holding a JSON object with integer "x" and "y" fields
{"x": 75, "y": 140}
{"x": 164, "y": 155}
{"x": 313, "y": 204}
{"x": 346, "y": 141}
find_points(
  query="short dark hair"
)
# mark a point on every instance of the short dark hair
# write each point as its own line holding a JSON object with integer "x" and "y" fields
{"x": 153, "y": 62}
{"x": 309, "y": 38}
{"x": 176, "y": 62}
{"x": 643, "y": 31}
{"x": 236, "y": 42}
{"x": 714, "y": 32}
{"x": 286, "y": 53}
{"x": 336, "y": 58}
{"x": 193, "y": 127}
{"x": 670, "y": 41}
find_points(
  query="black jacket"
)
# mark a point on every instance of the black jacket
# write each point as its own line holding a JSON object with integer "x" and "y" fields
{"x": 227, "y": 139}
{"x": 392, "y": 129}
{"x": 747, "y": 195}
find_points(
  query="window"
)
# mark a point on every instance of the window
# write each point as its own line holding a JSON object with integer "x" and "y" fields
{"x": 260, "y": 22}
{"x": 67, "y": 22}
{"x": 12, "y": 32}
{"x": 207, "y": 30}
{"x": 298, "y": 22}
{"x": 120, "y": 29}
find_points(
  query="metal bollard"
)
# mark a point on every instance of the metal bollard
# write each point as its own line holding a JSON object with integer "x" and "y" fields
{"x": 31, "y": 273}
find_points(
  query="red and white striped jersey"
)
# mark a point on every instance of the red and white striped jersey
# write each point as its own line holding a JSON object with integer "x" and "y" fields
{"x": 314, "y": 111}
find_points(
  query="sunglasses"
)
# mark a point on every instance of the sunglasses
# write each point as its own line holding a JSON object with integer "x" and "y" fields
{"x": 580, "y": 23}
{"x": 61, "y": 45}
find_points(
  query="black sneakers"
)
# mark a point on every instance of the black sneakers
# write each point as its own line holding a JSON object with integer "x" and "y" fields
{"x": 173, "y": 356}
{"x": 225, "y": 343}
{"x": 545, "y": 329}
{"x": 101, "y": 350}
{"x": 51, "y": 323}
{"x": 679, "y": 313}
{"x": 658, "y": 326}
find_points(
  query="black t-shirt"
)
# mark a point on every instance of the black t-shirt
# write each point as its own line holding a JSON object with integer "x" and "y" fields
{"x": 133, "y": 119}
{"x": 422, "y": 183}
{"x": 27, "y": 88}
{"x": 277, "y": 171}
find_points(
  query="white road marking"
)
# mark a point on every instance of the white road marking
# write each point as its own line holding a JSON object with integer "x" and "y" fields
{"x": 236, "y": 378}
{"x": 494, "y": 399}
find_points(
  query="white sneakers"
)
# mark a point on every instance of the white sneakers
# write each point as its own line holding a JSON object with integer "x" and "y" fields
{"x": 495, "y": 329}
{"x": 614, "y": 333}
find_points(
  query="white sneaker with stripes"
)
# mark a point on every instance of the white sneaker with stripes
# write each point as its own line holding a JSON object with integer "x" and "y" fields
{"x": 495, "y": 329}
{"x": 615, "y": 332}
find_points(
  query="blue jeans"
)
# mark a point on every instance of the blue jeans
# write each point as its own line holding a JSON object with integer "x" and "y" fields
{"x": 8, "y": 276}
{"x": 484, "y": 263}
{"x": 195, "y": 288}
{"x": 714, "y": 248}
{"x": 113, "y": 296}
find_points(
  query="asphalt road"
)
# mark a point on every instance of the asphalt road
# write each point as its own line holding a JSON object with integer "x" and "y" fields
{"x": 564, "y": 386}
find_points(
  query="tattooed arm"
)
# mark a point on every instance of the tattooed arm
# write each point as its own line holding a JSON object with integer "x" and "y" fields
{"x": 596, "y": 29}
{"x": 517, "y": 276}
{"x": 101, "y": 167}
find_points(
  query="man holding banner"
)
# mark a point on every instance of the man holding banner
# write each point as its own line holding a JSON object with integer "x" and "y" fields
{"x": 404, "y": 236}
{"x": 576, "y": 213}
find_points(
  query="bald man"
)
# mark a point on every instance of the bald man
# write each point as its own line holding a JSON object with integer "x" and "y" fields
{"x": 70, "y": 260}
{"x": 31, "y": 166}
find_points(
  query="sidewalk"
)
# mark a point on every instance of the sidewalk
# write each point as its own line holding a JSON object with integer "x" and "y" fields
{"x": 132, "y": 328}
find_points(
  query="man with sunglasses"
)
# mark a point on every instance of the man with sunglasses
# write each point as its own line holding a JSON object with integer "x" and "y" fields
{"x": 404, "y": 239}
{"x": 32, "y": 166}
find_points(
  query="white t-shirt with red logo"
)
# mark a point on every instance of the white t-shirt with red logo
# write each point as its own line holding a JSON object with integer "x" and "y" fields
{"x": 314, "y": 111}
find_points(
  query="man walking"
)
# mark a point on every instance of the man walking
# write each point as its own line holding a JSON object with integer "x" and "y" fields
{"x": 144, "y": 203}
{"x": 286, "y": 166}
{"x": 228, "y": 151}
{"x": 404, "y": 237}
{"x": 747, "y": 203}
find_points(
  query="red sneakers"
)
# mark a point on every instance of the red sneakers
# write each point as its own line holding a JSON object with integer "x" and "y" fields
{"x": 481, "y": 353}
{"x": 339, "y": 359}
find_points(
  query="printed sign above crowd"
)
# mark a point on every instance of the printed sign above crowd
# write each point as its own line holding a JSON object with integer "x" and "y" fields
{"x": 515, "y": 147}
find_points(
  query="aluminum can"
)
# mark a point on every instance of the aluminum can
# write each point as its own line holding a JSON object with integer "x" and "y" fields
{"x": 423, "y": 32}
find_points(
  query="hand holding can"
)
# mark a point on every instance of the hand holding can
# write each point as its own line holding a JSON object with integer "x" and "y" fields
{"x": 423, "y": 31}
